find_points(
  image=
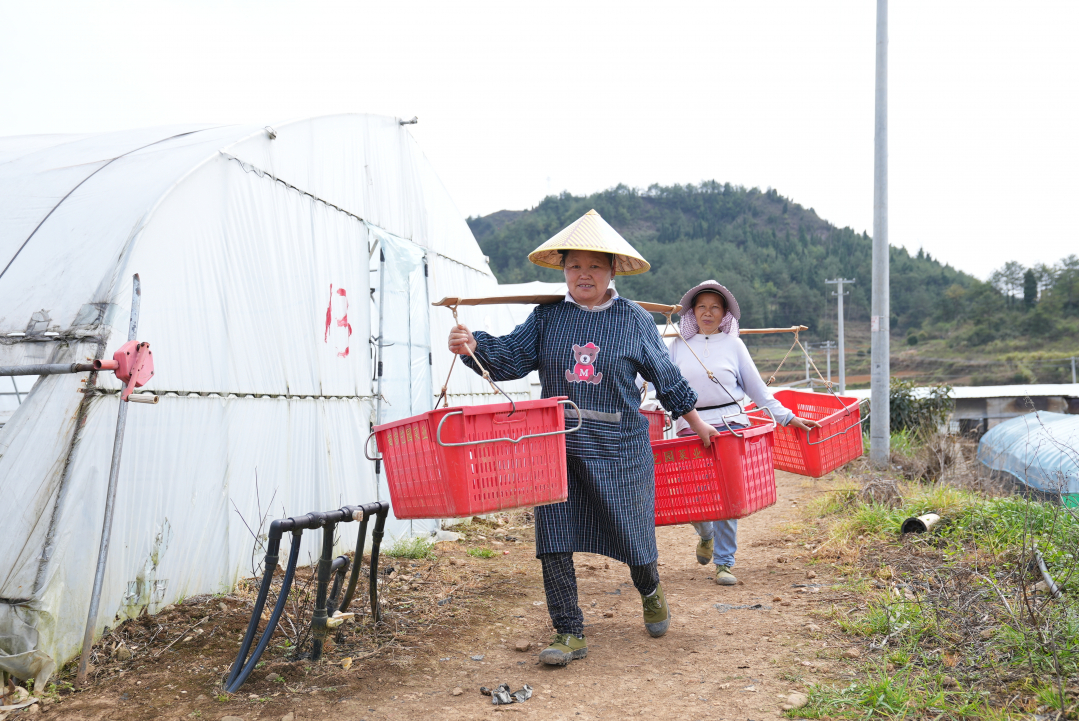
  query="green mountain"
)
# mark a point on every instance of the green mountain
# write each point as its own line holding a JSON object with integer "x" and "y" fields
{"x": 771, "y": 252}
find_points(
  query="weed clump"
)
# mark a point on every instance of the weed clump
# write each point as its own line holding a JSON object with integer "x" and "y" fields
{"x": 416, "y": 548}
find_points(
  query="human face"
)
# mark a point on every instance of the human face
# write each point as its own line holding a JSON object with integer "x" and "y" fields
{"x": 709, "y": 309}
{"x": 588, "y": 275}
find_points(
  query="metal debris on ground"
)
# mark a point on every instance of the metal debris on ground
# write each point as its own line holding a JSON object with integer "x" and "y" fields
{"x": 477, "y": 657}
{"x": 502, "y": 695}
{"x": 724, "y": 607}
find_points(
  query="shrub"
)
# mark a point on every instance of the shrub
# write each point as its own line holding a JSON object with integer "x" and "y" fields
{"x": 917, "y": 415}
{"x": 411, "y": 548}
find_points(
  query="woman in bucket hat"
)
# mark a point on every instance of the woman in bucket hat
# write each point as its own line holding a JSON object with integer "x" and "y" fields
{"x": 590, "y": 347}
{"x": 717, "y": 365}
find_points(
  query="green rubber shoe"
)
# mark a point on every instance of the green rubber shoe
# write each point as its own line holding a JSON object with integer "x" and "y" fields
{"x": 657, "y": 616}
{"x": 564, "y": 648}
{"x": 704, "y": 551}
{"x": 724, "y": 577}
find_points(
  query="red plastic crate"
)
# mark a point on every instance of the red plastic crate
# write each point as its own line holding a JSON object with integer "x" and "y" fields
{"x": 731, "y": 479}
{"x": 427, "y": 480}
{"x": 837, "y": 442}
{"x": 657, "y": 424}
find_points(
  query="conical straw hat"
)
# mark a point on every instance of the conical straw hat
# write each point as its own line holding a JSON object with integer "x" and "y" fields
{"x": 590, "y": 232}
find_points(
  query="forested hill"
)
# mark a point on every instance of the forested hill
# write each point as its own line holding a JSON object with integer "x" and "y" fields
{"x": 771, "y": 252}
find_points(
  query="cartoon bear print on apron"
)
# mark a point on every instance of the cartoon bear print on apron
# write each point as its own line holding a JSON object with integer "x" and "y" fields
{"x": 584, "y": 371}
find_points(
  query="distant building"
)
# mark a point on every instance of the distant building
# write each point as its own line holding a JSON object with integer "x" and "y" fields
{"x": 979, "y": 408}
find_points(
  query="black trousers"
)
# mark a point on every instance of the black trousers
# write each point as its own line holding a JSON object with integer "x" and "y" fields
{"x": 560, "y": 585}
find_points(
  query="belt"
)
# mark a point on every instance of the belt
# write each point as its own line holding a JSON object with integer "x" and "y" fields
{"x": 596, "y": 415}
{"x": 712, "y": 408}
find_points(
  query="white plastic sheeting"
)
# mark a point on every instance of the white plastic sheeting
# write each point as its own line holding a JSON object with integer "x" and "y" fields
{"x": 1039, "y": 449}
{"x": 255, "y": 256}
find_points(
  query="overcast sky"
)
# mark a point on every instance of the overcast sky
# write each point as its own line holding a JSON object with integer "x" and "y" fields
{"x": 517, "y": 100}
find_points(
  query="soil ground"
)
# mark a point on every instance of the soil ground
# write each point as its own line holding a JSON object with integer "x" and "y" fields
{"x": 714, "y": 663}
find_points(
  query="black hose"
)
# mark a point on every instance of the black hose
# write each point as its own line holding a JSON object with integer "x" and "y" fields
{"x": 243, "y": 665}
{"x": 376, "y": 541}
{"x": 319, "y": 630}
{"x": 339, "y": 569}
{"x": 286, "y": 585}
{"x": 361, "y": 540}
{"x": 270, "y": 565}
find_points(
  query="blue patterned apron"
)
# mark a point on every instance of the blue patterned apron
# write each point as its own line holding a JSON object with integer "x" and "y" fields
{"x": 593, "y": 357}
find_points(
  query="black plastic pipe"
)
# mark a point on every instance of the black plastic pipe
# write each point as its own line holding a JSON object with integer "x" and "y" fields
{"x": 376, "y": 541}
{"x": 242, "y": 667}
{"x": 238, "y": 675}
{"x": 381, "y": 508}
{"x": 338, "y": 569}
{"x": 319, "y": 629}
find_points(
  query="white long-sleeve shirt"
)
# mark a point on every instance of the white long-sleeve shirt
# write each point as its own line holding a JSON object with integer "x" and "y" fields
{"x": 728, "y": 359}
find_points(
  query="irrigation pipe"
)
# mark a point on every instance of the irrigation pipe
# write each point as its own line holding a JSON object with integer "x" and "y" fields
{"x": 1053, "y": 588}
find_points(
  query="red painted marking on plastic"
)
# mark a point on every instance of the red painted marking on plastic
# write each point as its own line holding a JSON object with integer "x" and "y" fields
{"x": 329, "y": 312}
{"x": 341, "y": 322}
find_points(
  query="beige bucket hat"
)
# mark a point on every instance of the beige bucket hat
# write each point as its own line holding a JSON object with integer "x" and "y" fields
{"x": 590, "y": 232}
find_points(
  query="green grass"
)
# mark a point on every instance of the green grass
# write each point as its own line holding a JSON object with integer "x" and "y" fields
{"x": 481, "y": 552}
{"x": 415, "y": 548}
{"x": 996, "y": 525}
{"x": 921, "y": 638}
{"x": 896, "y": 695}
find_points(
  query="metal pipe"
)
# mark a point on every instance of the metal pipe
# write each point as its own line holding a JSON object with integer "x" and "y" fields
{"x": 1053, "y": 588}
{"x": 46, "y": 369}
{"x": 110, "y": 501}
{"x": 144, "y": 398}
{"x": 880, "y": 323}
{"x": 378, "y": 392}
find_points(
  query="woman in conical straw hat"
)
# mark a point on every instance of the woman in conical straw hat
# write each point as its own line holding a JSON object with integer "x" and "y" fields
{"x": 590, "y": 347}
{"x": 717, "y": 365}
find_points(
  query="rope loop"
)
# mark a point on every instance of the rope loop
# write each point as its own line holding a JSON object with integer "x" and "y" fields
{"x": 444, "y": 396}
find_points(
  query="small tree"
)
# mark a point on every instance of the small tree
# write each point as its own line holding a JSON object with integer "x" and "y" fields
{"x": 1030, "y": 289}
{"x": 1008, "y": 279}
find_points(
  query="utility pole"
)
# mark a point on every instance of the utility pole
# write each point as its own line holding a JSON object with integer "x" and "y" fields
{"x": 1073, "y": 369}
{"x": 838, "y": 293}
{"x": 880, "y": 314}
{"x": 809, "y": 381}
{"x": 828, "y": 348}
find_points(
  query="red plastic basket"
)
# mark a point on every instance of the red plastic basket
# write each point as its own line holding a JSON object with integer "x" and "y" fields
{"x": 487, "y": 460}
{"x": 732, "y": 478}
{"x": 837, "y": 442}
{"x": 657, "y": 424}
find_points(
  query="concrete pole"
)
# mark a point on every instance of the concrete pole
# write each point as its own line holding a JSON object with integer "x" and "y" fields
{"x": 838, "y": 293}
{"x": 809, "y": 381}
{"x": 880, "y": 314}
{"x": 1073, "y": 369}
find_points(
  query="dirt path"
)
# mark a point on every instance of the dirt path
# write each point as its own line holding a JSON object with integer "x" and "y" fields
{"x": 712, "y": 664}
{"x": 736, "y": 664}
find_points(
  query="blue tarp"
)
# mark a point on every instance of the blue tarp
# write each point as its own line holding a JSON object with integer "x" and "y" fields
{"x": 1040, "y": 449}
